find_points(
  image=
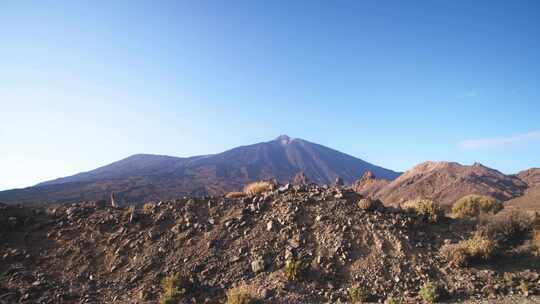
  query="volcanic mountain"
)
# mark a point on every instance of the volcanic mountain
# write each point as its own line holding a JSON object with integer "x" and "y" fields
{"x": 144, "y": 177}
{"x": 444, "y": 182}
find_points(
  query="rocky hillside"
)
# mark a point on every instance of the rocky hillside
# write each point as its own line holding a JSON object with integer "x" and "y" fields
{"x": 444, "y": 182}
{"x": 369, "y": 184}
{"x": 91, "y": 253}
{"x": 141, "y": 178}
{"x": 530, "y": 176}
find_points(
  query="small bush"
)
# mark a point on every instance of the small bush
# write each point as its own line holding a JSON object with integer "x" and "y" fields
{"x": 358, "y": 294}
{"x": 294, "y": 269}
{"x": 474, "y": 205}
{"x": 234, "y": 194}
{"x": 257, "y": 187}
{"x": 241, "y": 295}
{"x": 174, "y": 288}
{"x": 430, "y": 292}
{"x": 425, "y": 208}
{"x": 464, "y": 252}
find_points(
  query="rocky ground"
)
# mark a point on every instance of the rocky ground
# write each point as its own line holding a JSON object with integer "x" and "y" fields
{"x": 92, "y": 253}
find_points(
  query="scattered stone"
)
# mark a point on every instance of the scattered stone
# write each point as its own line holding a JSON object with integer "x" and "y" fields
{"x": 257, "y": 265}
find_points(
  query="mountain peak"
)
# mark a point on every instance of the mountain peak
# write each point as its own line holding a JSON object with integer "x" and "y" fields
{"x": 144, "y": 177}
{"x": 284, "y": 139}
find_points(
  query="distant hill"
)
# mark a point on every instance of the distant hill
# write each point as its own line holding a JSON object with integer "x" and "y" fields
{"x": 143, "y": 177}
{"x": 444, "y": 182}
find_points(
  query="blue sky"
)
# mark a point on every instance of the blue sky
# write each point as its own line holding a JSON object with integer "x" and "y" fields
{"x": 85, "y": 83}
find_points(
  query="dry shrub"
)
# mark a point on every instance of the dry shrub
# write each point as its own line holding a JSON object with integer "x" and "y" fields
{"x": 507, "y": 229}
{"x": 427, "y": 209}
{"x": 295, "y": 269}
{"x": 536, "y": 241}
{"x": 148, "y": 207}
{"x": 473, "y": 205}
{"x": 174, "y": 289}
{"x": 370, "y": 204}
{"x": 393, "y": 301}
{"x": 466, "y": 251}
{"x": 257, "y": 187}
{"x": 234, "y": 194}
{"x": 525, "y": 287}
{"x": 241, "y": 295}
{"x": 358, "y": 294}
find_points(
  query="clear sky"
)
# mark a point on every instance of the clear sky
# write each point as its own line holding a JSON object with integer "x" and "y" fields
{"x": 85, "y": 83}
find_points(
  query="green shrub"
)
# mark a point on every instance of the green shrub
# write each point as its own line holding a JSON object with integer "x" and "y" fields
{"x": 427, "y": 209}
{"x": 430, "y": 292}
{"x": 474, "y": 205}
{"x": 241, "y": 295}
{"x": 295, "y": 269}
{"x": 174, "y": 288}
{"x": 462, "y": 253}
{"x": 358, "y": 294}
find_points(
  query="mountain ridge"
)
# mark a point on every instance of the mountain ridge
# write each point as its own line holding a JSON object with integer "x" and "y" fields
{"x": 444, "y": 182}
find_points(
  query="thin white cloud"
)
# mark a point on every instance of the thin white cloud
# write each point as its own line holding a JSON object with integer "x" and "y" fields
{"x": 474, "y": 144}
{"x": 470, "y": 94}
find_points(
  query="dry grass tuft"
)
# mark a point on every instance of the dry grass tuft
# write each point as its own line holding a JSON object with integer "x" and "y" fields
{"x": 474, "y": 205}
{"x": 257, "y": 187}
{"x": 241, "y": 295}
{"x": 425, "y": 208}
{"x": 234, "y": 194}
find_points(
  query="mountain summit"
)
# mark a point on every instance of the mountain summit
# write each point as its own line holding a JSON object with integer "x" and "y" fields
{"x": 143, "y": 177}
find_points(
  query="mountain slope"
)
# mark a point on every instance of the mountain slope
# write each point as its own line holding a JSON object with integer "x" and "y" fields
{"x": 530, "y": 201}
{"x": 145, "y": 177}
{"x": 446, "y": 182}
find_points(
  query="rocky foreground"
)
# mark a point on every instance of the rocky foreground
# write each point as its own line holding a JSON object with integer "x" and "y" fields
{"x": 92, "y": 253}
